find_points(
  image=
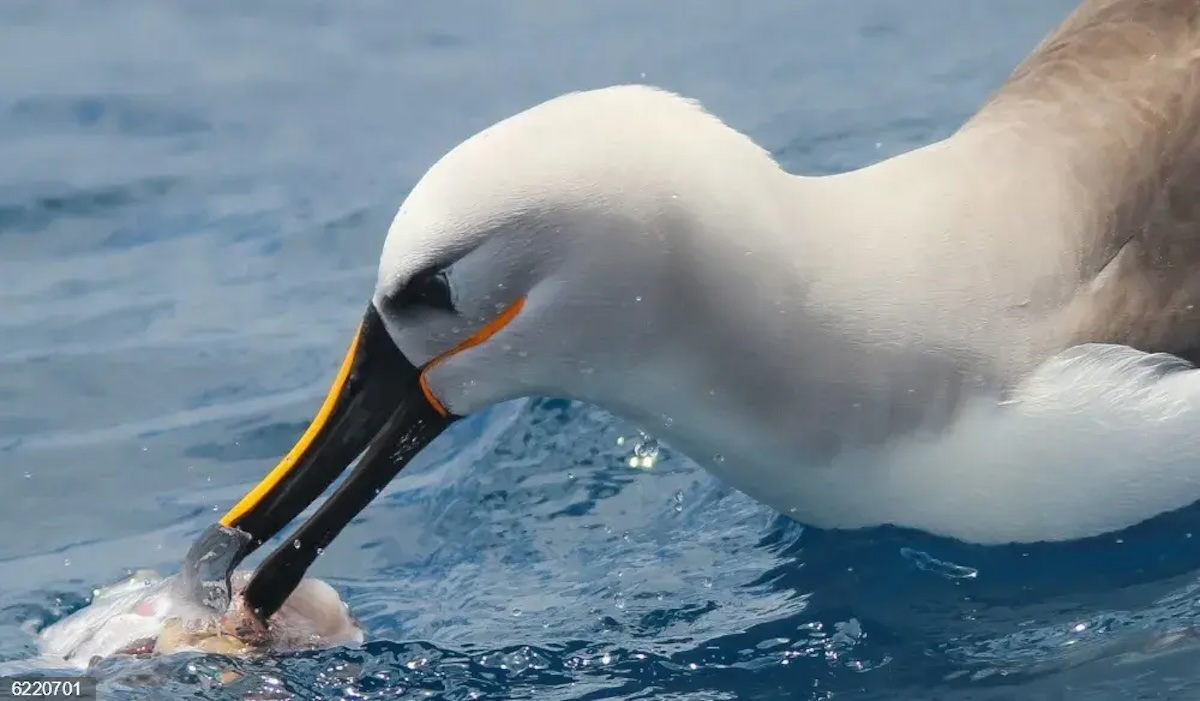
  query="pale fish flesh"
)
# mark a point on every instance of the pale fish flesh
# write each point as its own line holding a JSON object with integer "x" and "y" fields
{"x": 145, "y": 615}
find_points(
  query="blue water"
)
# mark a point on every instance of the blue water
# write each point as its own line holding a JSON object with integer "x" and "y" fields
{"x": 192, "y": 199}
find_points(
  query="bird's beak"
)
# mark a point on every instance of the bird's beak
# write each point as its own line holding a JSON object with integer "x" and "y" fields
{"x": 377, "y": 405}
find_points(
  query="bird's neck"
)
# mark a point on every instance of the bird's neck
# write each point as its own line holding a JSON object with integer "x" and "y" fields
{"x": 826, "y": 317}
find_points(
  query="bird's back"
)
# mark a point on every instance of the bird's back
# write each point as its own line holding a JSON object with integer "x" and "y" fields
{"x": 1115, "y": 91}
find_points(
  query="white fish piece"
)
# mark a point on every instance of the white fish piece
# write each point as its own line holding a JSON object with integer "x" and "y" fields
{"x": 146, "y": 614}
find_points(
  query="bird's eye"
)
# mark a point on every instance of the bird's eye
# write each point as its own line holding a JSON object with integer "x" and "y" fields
{"x": 429, "y": 289}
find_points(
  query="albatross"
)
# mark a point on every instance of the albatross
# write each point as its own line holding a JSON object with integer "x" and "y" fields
{"x": 989, "y": 338}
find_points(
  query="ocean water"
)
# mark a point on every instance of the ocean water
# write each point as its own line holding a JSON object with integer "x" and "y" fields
{"x": 192, "y": 201}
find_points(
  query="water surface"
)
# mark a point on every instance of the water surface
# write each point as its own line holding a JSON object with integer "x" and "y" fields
{"x": 192, "y": 200}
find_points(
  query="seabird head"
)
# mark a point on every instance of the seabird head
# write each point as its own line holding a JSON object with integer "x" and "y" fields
{"x": 545, "y": 255}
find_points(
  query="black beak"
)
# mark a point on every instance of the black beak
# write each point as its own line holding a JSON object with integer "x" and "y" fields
{"x": 376, "y": 405}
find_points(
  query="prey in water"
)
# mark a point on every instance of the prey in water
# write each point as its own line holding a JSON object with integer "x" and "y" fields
{"x": 147, "y": 614}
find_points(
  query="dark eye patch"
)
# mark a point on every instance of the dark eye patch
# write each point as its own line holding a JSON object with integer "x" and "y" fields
{"x": 429, "y": 289}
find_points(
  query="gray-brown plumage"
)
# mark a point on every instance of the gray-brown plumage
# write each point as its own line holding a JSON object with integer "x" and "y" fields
{"x": 1115, "y": 92}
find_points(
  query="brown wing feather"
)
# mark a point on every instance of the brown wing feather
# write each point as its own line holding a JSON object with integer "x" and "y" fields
{"x": 1116, "y": 87}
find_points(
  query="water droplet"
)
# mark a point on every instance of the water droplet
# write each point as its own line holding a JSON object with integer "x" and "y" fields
{"x": 455, "y": 329}
{"x": 647, "y": 447}
{"x": 620, "y": 440}
{"x": 28, "y": 475}
{"x": 570, "y": 475}
{"x": 718, "y": 458}
{"x": 645, "y": 452}
{"x": 606, "y": 659}
{"x": 522, "y": 354}
{"x": 296, "y": 544}
{"x": 516, "y": 612}
{"x": 320, "y": 550}
{"x": 216, "y": 508}
{"x": 638, "y": 298}
{"x": 66, "y": 562}
{"x": 707, "y": 583}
